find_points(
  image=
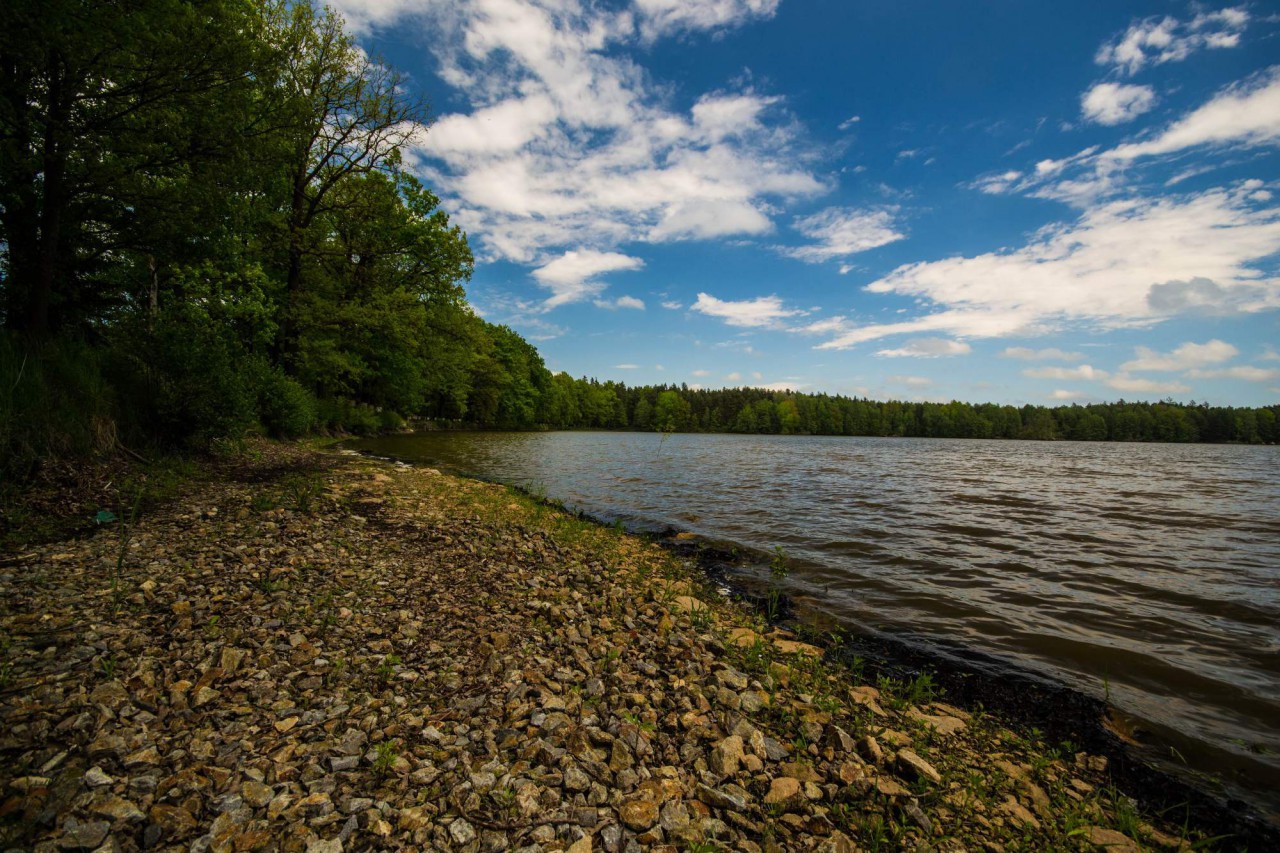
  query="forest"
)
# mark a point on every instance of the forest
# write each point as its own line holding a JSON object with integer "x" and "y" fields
{"x": 208, "y": 229}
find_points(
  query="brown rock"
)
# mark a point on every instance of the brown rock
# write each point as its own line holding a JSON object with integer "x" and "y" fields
{"x": 786, "y": 792}
{"x": 1111, "y": 840}
{"x": 916, "y": 766}
{"x": 638, "y": 815}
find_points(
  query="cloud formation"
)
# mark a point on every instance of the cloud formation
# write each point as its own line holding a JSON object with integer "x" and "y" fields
{"x": 1157, "y": 40}
{"x": 570, "y": 146}
{"x": 1116, "y": 103}
{"x": 1049, "y": 354}
{"x": 927, "y": 348}
{"x": 763, "y": 311}
{"x": 1098, "y": 270}
{"x": 840, "y": 232}
{"x": 572, "y": 276}
{"x": 1186, "y": 357}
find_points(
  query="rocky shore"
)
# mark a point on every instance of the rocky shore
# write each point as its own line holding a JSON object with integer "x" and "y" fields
{"x": 317, "y": 652}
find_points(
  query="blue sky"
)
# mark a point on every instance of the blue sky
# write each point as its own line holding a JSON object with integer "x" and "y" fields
{"x": 1011, "y": 201}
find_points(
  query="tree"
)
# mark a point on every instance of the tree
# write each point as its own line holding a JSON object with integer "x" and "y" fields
{"x": 351, "y": 116}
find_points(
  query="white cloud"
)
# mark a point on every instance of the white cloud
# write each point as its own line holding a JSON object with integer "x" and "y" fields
{"x": 626, "y": 367}
{"x": 1050, "y": 354}
{"x": 1186, "y": 357}
{"x": 911, "y": 381}
{"x": 1082, "y": 371}
{"x": 841, "y": 232}
{"x": 1135, "y": 384}
{"x": 1064, "y": 395}
{"x": 672, "y": 305}
{"x": 927, "y": 348}
{"x": 761, "y": 311}
{"x": 1246, "y": 372}
{"x": 1124, "y": 263}
{"x": 570, "y": 144}
{"x": 733, "y": 377}
{"x": 661, "y": 17}
{"x": 620, "y": 302}
{"x": 1116, "y": 103}
{"x": 570, "y": 277}
{"x": 700, "y": 373}
{"x": 781, "y": 386}
{"x": 1247, "y": 113}
{"x": 849, "y": 122}
{"x": 1165, "y": 39}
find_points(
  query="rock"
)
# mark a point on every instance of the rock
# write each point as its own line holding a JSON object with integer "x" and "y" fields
{"x": 203, "y": 696}
{"x": 836, "y": 842}
{"x": 330, "y": 845}
{"x": 786, "y": 792}
{"x": 255, "y": 794}
{"x": 83, "y": 834}
{"x": 1111, "y": 840}
{"x": 916, "y": 766}
{"x": 719, "y": 798}
{"x": 176, "y": 821}
{"x": 461, "y": 832}
{"x": 869, "y": 748}
{"x": 1018, "y": 813}
{"x": 575, "y": 779}
{"x": 582, "y": 845}
{"x": 727, "y": 756}
{"x": 943, "y": 725}
{"x": 118, "y": 808}
{"x": 890, "y": 787}
{"x": 638, "y": 815}
{"x": 148, "y": 757}
{"x": 94, "y": 777}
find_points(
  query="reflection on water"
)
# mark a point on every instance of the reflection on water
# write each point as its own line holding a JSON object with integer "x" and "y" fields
{"x": 1151, "y": 572}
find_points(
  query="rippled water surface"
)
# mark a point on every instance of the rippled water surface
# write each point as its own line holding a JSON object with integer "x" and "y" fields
{"x": 1149, "y": 573}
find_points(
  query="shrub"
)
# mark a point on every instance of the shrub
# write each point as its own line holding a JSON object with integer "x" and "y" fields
{"x": 53, "y": 402}
{"x": 285, "y": 408}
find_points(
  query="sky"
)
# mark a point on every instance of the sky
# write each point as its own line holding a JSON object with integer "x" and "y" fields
{"x": 1004, "y": 201}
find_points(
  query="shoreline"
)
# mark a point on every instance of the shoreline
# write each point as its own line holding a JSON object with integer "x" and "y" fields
{"x": 391, "y": 656}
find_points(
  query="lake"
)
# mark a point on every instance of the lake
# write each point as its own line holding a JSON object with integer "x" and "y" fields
{"x": 1146, "y": 574}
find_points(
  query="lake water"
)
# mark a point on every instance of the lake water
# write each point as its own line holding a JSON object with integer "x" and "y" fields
{"x": 1145, "y": 573}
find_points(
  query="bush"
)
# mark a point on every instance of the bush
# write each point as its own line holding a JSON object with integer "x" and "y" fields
{"x": 342, "y": 415}
{"x": 285, "y": 408}
{"x": 53, "y": 403}
{"x": 183, "y": 382}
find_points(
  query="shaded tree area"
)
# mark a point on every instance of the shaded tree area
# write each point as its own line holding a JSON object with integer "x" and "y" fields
{"x": 762, "y": 411}
{"x": 206, "y": 228}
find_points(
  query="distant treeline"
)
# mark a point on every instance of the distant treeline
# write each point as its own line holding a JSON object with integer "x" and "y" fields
{"x": 206, "y": 229}
{"x": 582, "y": 403}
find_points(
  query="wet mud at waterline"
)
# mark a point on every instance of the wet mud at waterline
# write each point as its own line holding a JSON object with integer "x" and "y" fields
{"x": 1146, "y": 577}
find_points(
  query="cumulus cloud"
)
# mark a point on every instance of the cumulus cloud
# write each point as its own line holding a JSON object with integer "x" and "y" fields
{"x": 1158, "y": 40}
{"x": 1140, "y": 385}
{"x": 1083, "y": 371}
{"x": 763, "y": 311}
{"x": 911, "y": 381}
{"x": 572, "y": 276}
{"x": 840, "y": 232}
{"x": 1186, "y": 357}
{"x": 672, "y": 305}
{"x": 700, "y": 373}
{"x": 662, "y": 17}
{"x": 927, "y": 348}
{"x": 568, "y": 144}
{"x": 1246, "y": 372}
{"x": 1098, "y": 271}
{"x": 620, "y": 302}
{"x": 1116, "y": 103}
{"x": 1065, "y": 395}
{"x": 1246, "y": 113}
{"x": 1049, "y": 354}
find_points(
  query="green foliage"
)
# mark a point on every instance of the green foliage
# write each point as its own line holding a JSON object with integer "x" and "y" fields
{"x": 285, "y": 408}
